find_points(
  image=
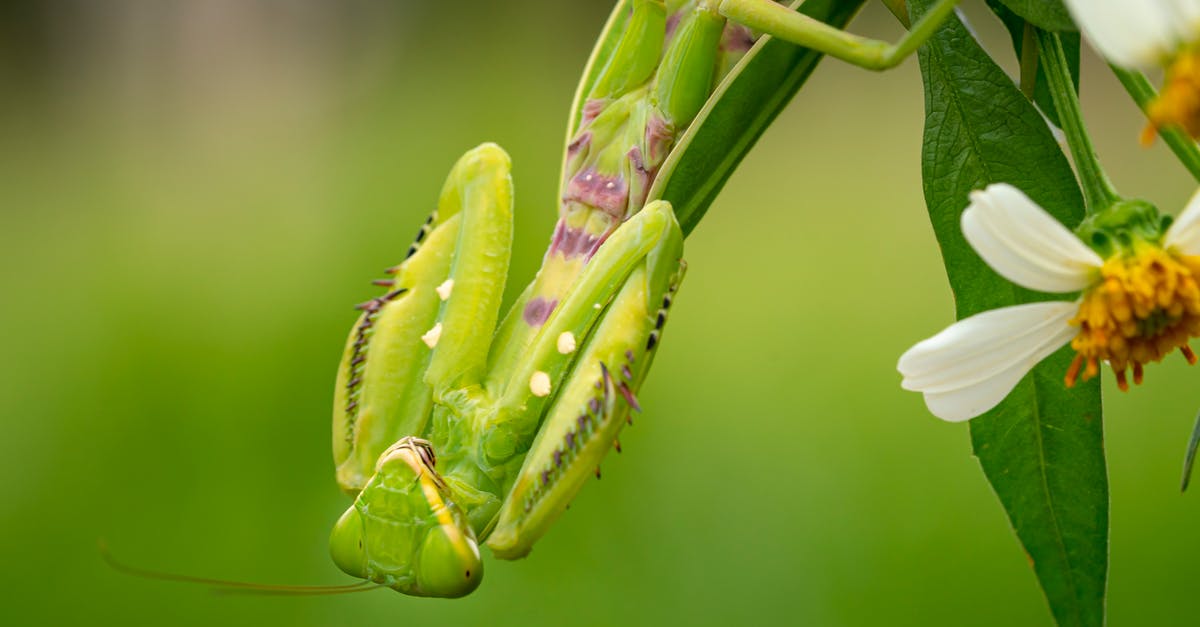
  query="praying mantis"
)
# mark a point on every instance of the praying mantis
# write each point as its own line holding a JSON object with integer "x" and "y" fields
{"x": 455, "y": 426}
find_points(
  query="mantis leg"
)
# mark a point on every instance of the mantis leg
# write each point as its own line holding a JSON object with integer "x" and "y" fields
{"x": 590, "y": 401}
{"x": 449, "y": 285}
{"x": 783, "y": 23}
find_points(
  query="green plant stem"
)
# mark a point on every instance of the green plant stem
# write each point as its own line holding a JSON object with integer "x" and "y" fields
{"x": 1143, "y": 93}
{"x": 780, "y": 22}
{"x": 1029, "y": 60}
{"x": 1098, "y": 191}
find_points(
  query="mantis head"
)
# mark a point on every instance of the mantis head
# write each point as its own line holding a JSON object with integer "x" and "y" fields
{"x": 402, "y": 531}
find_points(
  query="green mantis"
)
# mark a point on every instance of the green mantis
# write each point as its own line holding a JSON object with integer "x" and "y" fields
{"x": 515, "y": 424}
{"x": 460, "y": 461}
{"x": 453, "y": 426}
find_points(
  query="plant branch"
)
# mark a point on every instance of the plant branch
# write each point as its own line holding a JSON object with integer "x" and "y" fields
{"x": 783, "y": 23}
{"x": 1098, "y": 191}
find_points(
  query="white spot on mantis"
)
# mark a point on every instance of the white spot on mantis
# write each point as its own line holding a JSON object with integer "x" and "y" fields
{"x": 539, "y": 384}
{"x": 596, "y": 306}
{"x": 443, "y": 290}
{"x": 609, "y": 185}
{"x": 587, "y": 177}
{"x": 432, "y": 336}
{"x": 566, "y": 343}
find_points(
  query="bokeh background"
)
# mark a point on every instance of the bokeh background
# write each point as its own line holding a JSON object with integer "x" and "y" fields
{"x": 194, "y": 193}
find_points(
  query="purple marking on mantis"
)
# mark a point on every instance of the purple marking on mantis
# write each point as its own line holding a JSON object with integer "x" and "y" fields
{"x": 658, "y": 137}
{"x": 629, "y": 397}
{"x": 581, "y": 141}
{"x": 545, "y": 477}
{"x": 610, "y": 194}
{"x": 591, "y": 109}
{"x": 672, "y": 24}
{"x": 641, "y": 176}
{"x": 558, "y": 459}
{"x": 538, "y": 310}
{"x": 571, "y": 439}
{"x": 736, "y": 38}
{"x": 594, "y": 405}
{"x": 571, "y": 242}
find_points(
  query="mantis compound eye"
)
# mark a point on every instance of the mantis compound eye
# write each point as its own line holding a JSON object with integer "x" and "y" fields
{"x": 346, "y": 544}
{"x": 447, "y": 568}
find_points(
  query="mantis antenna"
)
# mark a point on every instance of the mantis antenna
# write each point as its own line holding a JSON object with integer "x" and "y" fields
{"x": 225, "y": 586}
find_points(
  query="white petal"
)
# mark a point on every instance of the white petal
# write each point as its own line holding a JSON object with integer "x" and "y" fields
{"x": 1185, "y": 16}
{"x": 966, "y": 403}
{"x": 974, "y": 363}
{"x": 1024, "y": 244}
{"x": 1184, "y": 234}
{"x": 1132, "y": 33}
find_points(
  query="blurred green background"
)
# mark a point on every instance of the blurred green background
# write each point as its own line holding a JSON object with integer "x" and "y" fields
{"x": 194, "y": 193}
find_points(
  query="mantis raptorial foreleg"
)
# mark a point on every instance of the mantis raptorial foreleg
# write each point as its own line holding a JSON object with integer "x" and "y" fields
{"x": 540, "y": 380}
{"x": 589, "y": 410}
{"x": 393, "y": 363}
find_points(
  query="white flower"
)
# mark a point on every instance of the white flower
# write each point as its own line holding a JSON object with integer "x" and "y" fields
{"x": 1137, "y": 305}
{"x": 1148, "y": 34}
{"x": 1138, "y": 33}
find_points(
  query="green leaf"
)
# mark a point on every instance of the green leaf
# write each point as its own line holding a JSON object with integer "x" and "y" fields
{"x": 740, "y": 109}
{"x": 1045, "y": 14}
{"x": 1041, "y": 91}
{"x": 1042, "y": 448}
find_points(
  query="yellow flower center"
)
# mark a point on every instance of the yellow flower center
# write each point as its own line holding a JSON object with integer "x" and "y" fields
{"x": 1146, "y": 304}
{"x": 1178, "y": 104}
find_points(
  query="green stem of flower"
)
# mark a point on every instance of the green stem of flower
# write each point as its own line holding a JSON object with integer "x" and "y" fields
{"x": 1029, "y": 60}
{"x": 1143, "y": 94}
{"x": 1098, "y": 191}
